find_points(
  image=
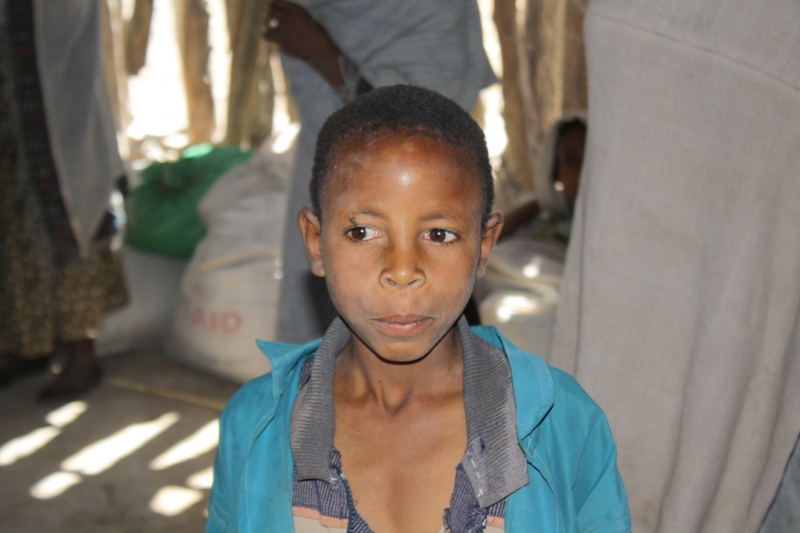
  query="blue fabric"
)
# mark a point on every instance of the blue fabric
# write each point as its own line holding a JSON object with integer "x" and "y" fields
{"x": 574, "y": 483}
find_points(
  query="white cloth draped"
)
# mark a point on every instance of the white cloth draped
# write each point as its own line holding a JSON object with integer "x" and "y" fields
{"x": 681, "y": 306}
{"x": 83, "y": 139}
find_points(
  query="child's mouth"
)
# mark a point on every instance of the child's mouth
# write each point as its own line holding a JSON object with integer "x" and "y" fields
{"x": 402, "y": 324}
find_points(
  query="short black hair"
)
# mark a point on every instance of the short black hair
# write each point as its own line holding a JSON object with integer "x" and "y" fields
{"x": 405, "y": 110}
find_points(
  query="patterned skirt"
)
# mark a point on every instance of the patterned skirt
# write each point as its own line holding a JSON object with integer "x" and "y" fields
{"x": 46, "y": 298}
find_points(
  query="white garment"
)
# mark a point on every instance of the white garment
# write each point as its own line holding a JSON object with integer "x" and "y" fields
{"x": 680, "y": 312}
{"x": 83, "y": 139}
{"x": 431, "y": 43}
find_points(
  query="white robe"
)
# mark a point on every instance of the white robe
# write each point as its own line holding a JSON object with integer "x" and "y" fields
{"x": 83, "y": 139}
{"x": 681, "y": 306}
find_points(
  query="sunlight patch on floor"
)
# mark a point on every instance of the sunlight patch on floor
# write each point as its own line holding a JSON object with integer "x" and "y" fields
{"x": 202, "y": 479}
{"x": 66, "y": 414}
{"x": 100, "y": 455}
{"x": 26, "y": 445}
{"x": 105, "y": 453}
{"x": 54, "y": 485}
{"x": 173, "y": 500}
{"x": 202, "y": 441}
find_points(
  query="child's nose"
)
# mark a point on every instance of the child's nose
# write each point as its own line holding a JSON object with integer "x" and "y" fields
{"x": 402, "y": 268}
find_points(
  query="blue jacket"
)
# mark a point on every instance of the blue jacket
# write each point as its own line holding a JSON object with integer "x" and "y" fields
{"x": 574, "y": 483}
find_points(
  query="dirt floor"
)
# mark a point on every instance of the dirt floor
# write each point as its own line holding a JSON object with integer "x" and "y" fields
{"x": 146, "y": 405}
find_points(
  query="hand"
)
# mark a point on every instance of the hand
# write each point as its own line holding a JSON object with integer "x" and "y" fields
{"x": 294, "y": 31}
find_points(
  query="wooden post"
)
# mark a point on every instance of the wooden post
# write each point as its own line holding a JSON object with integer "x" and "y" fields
{"x": 137, "y": 35}
{"x": 518, "y": 155}
{"x": 245, "y": 58}
{"x": 544, "y": 40}
{"x": 544, "y": 74}
{"x": 262, "y": 98}
{"x": 575, "y": 86}
{"x": 192, "y": 21}
{"x": 112, "y": 43}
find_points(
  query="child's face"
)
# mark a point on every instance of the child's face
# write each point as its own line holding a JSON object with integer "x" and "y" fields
{"x": 401, "y": 242}
{"x": 569, "y": 160}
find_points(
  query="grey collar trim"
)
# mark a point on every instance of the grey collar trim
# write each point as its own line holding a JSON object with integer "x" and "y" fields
{"x": 493, "y": 460}
{"x": 313, "y": 419}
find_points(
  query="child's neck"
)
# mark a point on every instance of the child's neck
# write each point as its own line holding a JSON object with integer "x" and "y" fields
{"x": 365, "y": 377}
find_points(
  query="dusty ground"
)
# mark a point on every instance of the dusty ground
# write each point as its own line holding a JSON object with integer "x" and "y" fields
{"x": 137, "y": 388}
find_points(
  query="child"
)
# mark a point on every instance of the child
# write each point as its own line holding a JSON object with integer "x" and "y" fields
{"x": 402, "y": 419}
{"x": 549, "y": 216}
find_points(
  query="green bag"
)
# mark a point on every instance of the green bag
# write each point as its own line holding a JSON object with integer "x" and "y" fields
{"x": 162, "y": 211}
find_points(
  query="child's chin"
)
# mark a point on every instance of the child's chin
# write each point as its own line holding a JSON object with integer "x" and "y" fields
{"x": 405, "y": 351}
{"x": 404, "y": 358}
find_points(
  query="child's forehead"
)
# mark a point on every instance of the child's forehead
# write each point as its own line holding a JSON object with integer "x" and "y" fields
{"x": 369, "y": 139}
{"x": 387, "y": 147}
{"x": 392, "y": 149}
{"x": 372, "y": 165}
{"x": 362, "y": 168}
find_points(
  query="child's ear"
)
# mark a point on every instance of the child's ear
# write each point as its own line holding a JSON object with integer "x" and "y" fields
{"x": 491, "y": 233}
{"x": 310, "y": 228}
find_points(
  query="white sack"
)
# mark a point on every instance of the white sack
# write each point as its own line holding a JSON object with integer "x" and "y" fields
{"x": 229, "y": 293}
{"x": 153, "y": 284}
{"x": 681, "y": 296}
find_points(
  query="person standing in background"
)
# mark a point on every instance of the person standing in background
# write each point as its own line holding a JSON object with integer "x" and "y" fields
{"x": 680, "y": 302}
{"x": 58, "y": 163}
{"x": 331, "y": 52}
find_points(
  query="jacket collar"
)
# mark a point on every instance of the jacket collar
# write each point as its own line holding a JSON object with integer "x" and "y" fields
{"x": 493, "y": 460}
{"x": 283, "y": 358}
{"x": 533, "y": 385}
{"x": 312, "y": 425}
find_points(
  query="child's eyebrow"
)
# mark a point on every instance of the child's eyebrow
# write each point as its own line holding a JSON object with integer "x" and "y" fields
{"x": 443, "y": 216}
{"x": 365, "y": 212}
{"x": 427, "y": 218}
{"x": 435, "y": 216}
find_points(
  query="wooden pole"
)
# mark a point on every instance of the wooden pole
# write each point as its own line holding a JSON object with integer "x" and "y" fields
{"x": 192, "y": 21}
{"x": 137, "y": 35}
{"x": 113, "y": 44}
{"x": 518, "y": 156}
{"x": 262, "y": 98}
{"x": 544, "y": 74}
{"x": 575, "y": 83}
{"x": 245, "y": 52}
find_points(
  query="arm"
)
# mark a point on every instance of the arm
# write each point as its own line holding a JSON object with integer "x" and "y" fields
{"x": 293, "y": 30}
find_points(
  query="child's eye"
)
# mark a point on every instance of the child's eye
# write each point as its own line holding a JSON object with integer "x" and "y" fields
{"x": 362, "y": 233}
{"x": 441, "y": 235}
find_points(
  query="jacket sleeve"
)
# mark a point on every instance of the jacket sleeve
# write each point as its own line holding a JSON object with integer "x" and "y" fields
{"x": 237, "y": 423}
{"x": 587, "y": 459}
{"x": 218, "y": 502}
{"x": 599, "y": 490}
